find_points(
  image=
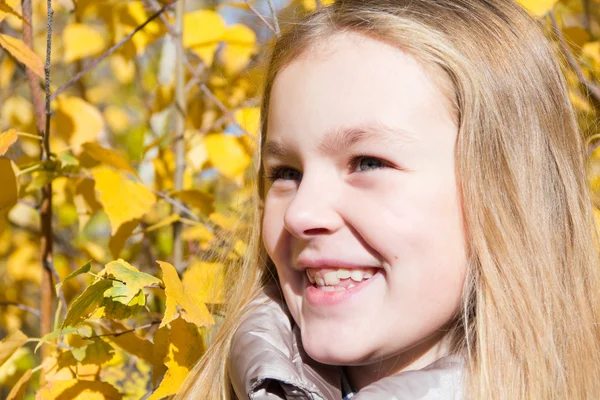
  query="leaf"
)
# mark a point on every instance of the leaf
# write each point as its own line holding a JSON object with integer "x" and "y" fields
{"x": 85, "y": 305}
{"x": 7, "y": 9}
{"x": 10, "y": 344}
{"x": 23, "y": 54}
{"x": 80, "y": 41}
{"x": 226, "y": 154}
{"x": 108, "y": 157}
{"x": 164, "y": 222}
{"x": 131, "y": 277}
{"x": 91, "y": 351}
{"x": 77, "y": 121}
{"x": 311, "y": 5}
{"x": 122, "y": 199}
{"x": 197, "y": 199}
{"x": 249, "y": 119}
{"x": 81, "y": 330}
{"x": 205, "y": 281}
{"x": 116, "y": 243}
{"x": 7, "y": 139}
{"x": 186, "y": 346}
{"x": 8, "y": 183}
{"x": 240, "y": 46}
{"x": 202, "y": 32}
{"x": 83, "y": 270}
{"x": 130, "y": 341}
{"x": 18, "y": 391}
{"x": 538, "y": 7}
{"x": 78, "y": 390}
{"x": 180, "y": 302}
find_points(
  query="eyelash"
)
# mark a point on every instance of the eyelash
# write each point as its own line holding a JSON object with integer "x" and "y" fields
{"x": 273, "y": 174}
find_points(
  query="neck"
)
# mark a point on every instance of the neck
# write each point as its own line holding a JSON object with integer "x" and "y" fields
{"x": 417, "y": 357}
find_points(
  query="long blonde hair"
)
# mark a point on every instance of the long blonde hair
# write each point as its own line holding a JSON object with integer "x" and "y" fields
{"x": 529, "y": 324}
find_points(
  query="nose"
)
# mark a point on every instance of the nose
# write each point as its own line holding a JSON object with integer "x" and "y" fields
{"x": 313, "y": 209}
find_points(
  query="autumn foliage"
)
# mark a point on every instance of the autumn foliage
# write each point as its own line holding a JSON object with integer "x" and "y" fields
{"x": 126, "y": 167}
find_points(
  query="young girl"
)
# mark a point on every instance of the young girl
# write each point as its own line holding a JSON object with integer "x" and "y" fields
{"x": 424, "y": 228}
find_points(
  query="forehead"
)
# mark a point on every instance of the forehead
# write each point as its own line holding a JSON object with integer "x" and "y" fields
{"x": 351, "y": 80}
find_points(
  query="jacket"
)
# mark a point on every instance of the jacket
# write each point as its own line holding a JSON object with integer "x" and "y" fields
{"x": 268, "y": 362}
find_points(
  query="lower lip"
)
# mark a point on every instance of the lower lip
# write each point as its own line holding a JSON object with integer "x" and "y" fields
{"x": 317, "y": 297}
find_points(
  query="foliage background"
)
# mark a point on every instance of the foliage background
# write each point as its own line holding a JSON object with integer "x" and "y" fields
{"x": 150, "y": 156}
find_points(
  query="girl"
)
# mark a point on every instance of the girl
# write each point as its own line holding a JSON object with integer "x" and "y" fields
{"x": 424, "y": 227}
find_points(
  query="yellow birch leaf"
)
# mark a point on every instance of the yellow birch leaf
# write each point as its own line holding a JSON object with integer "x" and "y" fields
{"x": 116, "y": 118}
{"x": 592, "y": 50}
{"x": 117, "y": 241}
{"x": 240, "y": 46}
{"x": 130, "y": 341}
{"x": 196, "y": 154}
{"x": 87, "y": 302}
{"x": 7, "y": 139}
{"x": 180, "y": 302}
{"x": 80, "y": 41}
{"x": 226, "y": 154}
{"x": 311, "y": 5}
{"x": 107, "y": 156}
{"x": 206, "y": 281}
{"x": 23, "y": 54}
{"x": 17, "y": 112}
{"x": 197, "y": 232}
{"x": 10, "y": 344}
{"x": 7, "y": 71}
{"x": 18, "y": 391}
{"x": 8, "y": 7}
{"x": 186, "y": 346}
{"x": 122, "y": 199}
{"x": 123, "y": 68}
{"x": 164, "y": 222}
{"x": 225, "y": 222}
{"x": 127, "y": 17}
{"x": 538, "y": 7}
{"x": 134, "y": 279}
{"x": 163, "y": 97}
{"x": 249, "y": 119}
{"x": 197, "y": 199}
{"x": 77, "y": 121}
{"x": 8, "y": 183}
{"x": 202, "y": 32}
{"x": 78, "y": 390}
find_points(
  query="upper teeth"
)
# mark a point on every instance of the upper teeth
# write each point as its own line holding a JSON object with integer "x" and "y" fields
{"x": 331, "y": 278}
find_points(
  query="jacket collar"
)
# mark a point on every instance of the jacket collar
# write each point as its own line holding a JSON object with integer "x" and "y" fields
{"x": 268, "y": 361}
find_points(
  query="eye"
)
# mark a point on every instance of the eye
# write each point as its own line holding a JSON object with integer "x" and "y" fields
{"x": 365, "y": 163}
{"x": 284, "y": 173}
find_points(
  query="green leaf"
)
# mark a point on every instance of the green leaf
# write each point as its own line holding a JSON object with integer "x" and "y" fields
{"x": 82, "y": 330}
{"x": 131, "y": 277}
{"x": 83, "y": 270}
{"x": 87, "y": 302}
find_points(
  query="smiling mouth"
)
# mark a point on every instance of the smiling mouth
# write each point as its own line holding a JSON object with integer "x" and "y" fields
{"x": 338, "y": 279}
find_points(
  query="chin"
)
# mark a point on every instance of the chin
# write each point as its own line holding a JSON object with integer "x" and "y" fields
{"x": 329, "y": 351}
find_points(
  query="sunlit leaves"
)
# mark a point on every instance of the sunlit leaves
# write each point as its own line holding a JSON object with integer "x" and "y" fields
{"x": 122, "y": 199}
{"x": 206, "y": 281}
{"x": 538, "y": 7}
{"x": 181, "y": 302}
{"x": 22, "y": 53}
{"x": 7, "y": 139}
{"x": 87, "y": 303}
{"x": 80, "y": 41}
{"x": 240, "y": 46}
{"x": 107, "y": 157}
{"x": 77, "y": 121}
{"x": 78, "y": 390}
{"x": 202, "y": 32}
{"x": 226, "y": 154}
{"x": 8, "y": 183}
{"x": 10, "y": 344}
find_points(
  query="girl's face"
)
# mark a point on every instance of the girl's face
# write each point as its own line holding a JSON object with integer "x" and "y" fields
{"x": 360, "y": 146}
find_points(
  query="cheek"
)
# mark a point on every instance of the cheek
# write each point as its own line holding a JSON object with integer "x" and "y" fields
{"x": 273, "y": 228}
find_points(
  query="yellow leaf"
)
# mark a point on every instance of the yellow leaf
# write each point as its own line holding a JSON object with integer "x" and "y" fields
{"x": 8, "y": 7}
{"x": 18, "y": 391}
{"x": 538, "y": 7}
{"x": 128, "y": 16}
{"x": 17, "y": 112}
{"x": 123, "y": 200}
{"x": 80, "y": 41}
{"x": 77, "y": 121}
{"x": 116, "y": 118}
{"x": 240, "y": 46}
{"x": 164, "y": 222}
{"x": 87, "y": 302}
{"x": 249, "y": 119}
{"x": 130, "y": 341}
{"x": 226, "y": 154}
{"x": 181, "y": 303}
{"x": 202, "y": 32}
{"x": 10, "y": 344}
{"x": 78, "y": 390}
{"x": 163, "y": 97}
{"x": 206, "y": 281}
{"x": 197, "y": 232}
{"x": 117, "y": 241}
{"x": 8, "y": 183}
{"x": 311, "y": 5}
{"x": 7, "y": 139}
{"x": 133, "y": 279}
{"x": 592, "y": 50}
{"x": 186, "y": 346}
{"x": 225, "y": 222}
{"x": 7, "y": 71}
{"x": 196, "y": 155}
{"x": 23, "y": 54}
{"x": 123, "y": 68}
{"x": 197, "y": 199}
{"x": 107, "y": 156}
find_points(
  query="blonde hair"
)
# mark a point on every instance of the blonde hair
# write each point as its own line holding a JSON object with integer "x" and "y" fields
{"x": 529, "y": 324}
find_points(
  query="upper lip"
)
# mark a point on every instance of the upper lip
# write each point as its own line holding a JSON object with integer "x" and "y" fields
{"x": 325, "y": 262}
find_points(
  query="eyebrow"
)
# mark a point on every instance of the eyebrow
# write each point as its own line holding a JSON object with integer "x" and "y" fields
{"x": 343, "y": 137}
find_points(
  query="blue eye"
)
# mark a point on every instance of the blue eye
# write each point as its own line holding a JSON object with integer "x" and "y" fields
{"x": 284, "y": 173}
{"x": 367, "y": 163}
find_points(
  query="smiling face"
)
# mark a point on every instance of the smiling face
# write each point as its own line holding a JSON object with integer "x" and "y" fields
{"x": 360, "y": 153}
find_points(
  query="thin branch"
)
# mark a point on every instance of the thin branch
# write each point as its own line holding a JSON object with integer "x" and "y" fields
{"x": 21, "y": 306}
{"x": 115, "y": 334}
{"x": 275, "y": 20}
{"x": 114, "y": 48}
{"x": 176, "y": 204}
{"x": 259, "y": 15}
{"x": 591, "y": 88}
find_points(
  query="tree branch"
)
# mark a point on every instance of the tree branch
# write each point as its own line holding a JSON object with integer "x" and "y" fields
{"x": 275, "y": 20}
{"x": 259, "y": 15}
{"x": 114, "y": 48}
{"x": 21, "y": 306}
{"x": 114, "y": 334}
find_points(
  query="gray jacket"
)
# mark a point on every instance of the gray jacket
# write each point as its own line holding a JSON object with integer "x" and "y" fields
{"x": 268, "y": 362}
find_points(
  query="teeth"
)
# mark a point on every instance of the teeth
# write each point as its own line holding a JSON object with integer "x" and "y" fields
{"x": 343, "y": 273}
{"x": 311, "y": 279}
{"x": 320, "y": 281}
{"x": 356, "y": 276}
{"x": 327, "y": 288}
{"x": 331, "y": 278}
